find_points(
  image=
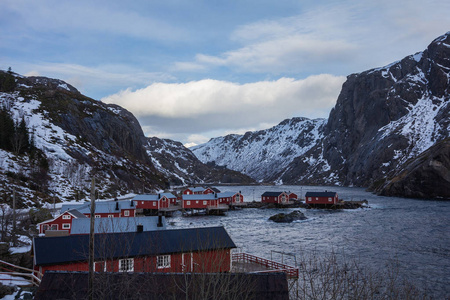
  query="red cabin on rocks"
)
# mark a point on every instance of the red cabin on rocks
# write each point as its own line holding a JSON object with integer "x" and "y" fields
{"x": 323, "y": 198}
{"x": 230, "y": 198}
{"x": 274, "y": 197}
{"x": 199, "y": 250}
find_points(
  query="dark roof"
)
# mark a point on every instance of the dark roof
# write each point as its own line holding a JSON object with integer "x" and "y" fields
{"x": 221, "y": 286}
{"x": 271, "y": 194}
{"x": 320, "y": 194}
{"x": 72, "y": 248}
{"x": 76, "y": 213}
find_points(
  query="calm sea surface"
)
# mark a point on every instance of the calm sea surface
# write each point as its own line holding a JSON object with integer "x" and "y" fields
{"x": 413, "y": 233}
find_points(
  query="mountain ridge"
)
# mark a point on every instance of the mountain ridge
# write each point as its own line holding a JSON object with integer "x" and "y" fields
{"x": 383, "y": 117}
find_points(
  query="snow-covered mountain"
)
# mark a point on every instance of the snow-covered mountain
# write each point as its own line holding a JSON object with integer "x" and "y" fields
{"x": 261, "y": 154}
{"x": 182, "y": 167}
{"x": 53, "y": 140}
{"x": 384, "y": 118}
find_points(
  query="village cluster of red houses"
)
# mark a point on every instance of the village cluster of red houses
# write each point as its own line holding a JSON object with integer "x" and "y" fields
{"x": 128, "y": 241}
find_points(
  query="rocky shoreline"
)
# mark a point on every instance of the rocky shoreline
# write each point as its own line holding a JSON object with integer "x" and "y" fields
{"x": 300, "y": 204}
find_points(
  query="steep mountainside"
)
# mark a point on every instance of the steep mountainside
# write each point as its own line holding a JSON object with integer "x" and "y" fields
{"x": 263, "y": 153}
{"x": 77, "y": 137}
{"x": 182, "y": 167}
{"x": 383, "y": 119}
{"x": 53, "y": 140}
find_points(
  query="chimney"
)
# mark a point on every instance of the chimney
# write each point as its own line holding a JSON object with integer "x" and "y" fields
{"x": 160, "y": 223}
{"x": 140, "y": 228}
{"x": 132, "y": 203}
{"x": 117, "y": 205}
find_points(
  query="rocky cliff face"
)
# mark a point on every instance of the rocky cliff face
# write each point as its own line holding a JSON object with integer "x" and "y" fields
{"x": 79, "y": 137}
{"x": 383, "y": 119}
{"x": 182, "y": 167}
{"x": 425, "y": 176}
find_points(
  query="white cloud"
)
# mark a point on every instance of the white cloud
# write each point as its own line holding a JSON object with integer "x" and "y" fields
{"x": 336, "y": 37}
{"x": 199, "y": 110}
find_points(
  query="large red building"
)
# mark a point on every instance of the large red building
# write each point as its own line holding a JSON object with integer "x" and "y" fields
{"x": 199, "y": 201}
{"x": 230, "y": 198}
{"x": 205, "y": 250}
{"x": 322, "y": 198}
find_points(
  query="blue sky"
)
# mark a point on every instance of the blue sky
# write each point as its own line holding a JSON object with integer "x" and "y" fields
{"x": 192, "y": 70}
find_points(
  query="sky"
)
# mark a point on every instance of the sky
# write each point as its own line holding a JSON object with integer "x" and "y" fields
{"x": 193, "y": 70}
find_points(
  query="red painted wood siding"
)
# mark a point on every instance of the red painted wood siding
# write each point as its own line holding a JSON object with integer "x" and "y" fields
{"x": 322, "y": 200}
{"x": 58, "y": 222}
{"x": 199, "y": 204}
{"x": 200, "y": 262}
{"x": 164, "y": 202}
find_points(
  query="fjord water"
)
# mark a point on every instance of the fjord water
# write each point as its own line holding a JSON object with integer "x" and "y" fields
{"x": 415, "y": 234}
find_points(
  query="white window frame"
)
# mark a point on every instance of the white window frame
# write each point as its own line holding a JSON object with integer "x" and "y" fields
{"x": 66, "y": 217}
{"x": 126, "y": 265}
{"x": 154, "y": 203}
{"x": 126, "y": 213}
{"x": 205, "y": 202}
{"x": 163, "y": 261}
{"x": 188, "y": 202}
{"x": 110, "y": 216}
{"x": 329, "y": 199}
{"x": 98, "y": 216}
{"x": 66, "y": 226}
{"x": 196, "y": 202}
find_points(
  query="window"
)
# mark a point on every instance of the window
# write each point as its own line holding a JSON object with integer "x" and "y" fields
{"x": 110, "y": 216}
{"x": 100, "y": 266}
{"x": 329, "y": 199}
{"x": 196, "y": 202}
{"x": 163, "y": 261}
{"x": 66, "y": 217}
{"x": 205, "y": 202}
{"x": 45, "y": 227}
{"x": 54, "y": 227}
{"x": 66, "y": 226}
{"x": 126, "y": 265}
{"x": 154, "y": 203}
{"x": 188, "y": 202}
{"x": 98, "y": 216}
{"x": 310, "y": 198}
{"x": 126, "y": 213}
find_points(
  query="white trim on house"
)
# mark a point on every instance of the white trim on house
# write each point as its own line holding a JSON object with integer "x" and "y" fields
{"x": 126, "y": 265}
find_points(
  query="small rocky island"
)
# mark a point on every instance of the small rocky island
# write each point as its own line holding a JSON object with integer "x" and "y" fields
{"x": 288, "y": 218}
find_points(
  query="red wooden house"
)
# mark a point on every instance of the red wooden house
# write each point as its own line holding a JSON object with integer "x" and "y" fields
{"x": 203, "y": 201}
{"x": 322, "y": 198}
{"x": 274, "y": 197}
{"x": 63, "y": 222}
{"x": 180, "y": 250}
{"x": 230, "y": 198}
{"x": 200, "y": 191}
{"x": 292, "y": 196}
{"x": 151, "y": 202}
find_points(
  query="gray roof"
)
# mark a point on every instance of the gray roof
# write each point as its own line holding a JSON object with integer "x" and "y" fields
{"x": 151, "y": 197}
{"x": 76, "y": 213}
{"x": 110, "y": 225}
{"x": 100, "y": 206}
{"x": 226, "y": 194}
